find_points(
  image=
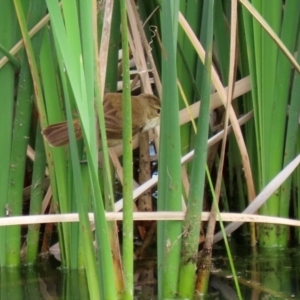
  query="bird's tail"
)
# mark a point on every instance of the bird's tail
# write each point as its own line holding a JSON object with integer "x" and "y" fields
{"x": 57, "y": 134}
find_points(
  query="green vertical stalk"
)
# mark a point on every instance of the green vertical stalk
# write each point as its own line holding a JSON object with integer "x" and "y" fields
{"x": 289, "y": 30}
{"x": 13, "y": 275}
{"x": 90, "y": 261}
{"x": 238, "y": 193}
{"x": 276, "y": 108}
{"x": 246, "y": 66}
{"x": 187, "y": 62}
{"x": 285, "y": 134}
{"x": 269, "y": 51}
{"x": 86, "y": 234}
{"x": 32, "y": 62}
{"x": 36, "y": 197}
{"x": 7, "y": 80}
{"x": 75, "y": 230}
{"x": 296, "y": 188}
{"x": 111, "y": 80}
{"x": 169, "y": 170}
{"x": 291, "y": 140}
{"x": 74, "y": 234}
{"x": 254, "y": 38}
{"x": 200, "y": 65}
{"x": 127, "y": 163}
{"x": 222, "y": 41}
{"x": 195, "y": 199}
{"x": 57, "y": 162}
{"x": 86, "y": 28}
{"x": 22, "y": 120}
{"x": 112, "y": 72}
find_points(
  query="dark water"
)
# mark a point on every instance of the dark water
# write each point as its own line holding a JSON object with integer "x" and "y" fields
{"x": 262, "y": 274}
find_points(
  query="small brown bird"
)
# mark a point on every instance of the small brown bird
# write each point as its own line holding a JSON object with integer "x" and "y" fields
{"x": 145, "y": 116}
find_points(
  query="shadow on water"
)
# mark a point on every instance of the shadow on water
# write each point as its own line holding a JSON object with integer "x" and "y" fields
{"x": 263, "y": 274}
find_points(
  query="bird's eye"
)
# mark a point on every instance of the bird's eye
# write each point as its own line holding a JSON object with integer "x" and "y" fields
{"x": 158, "y": 111}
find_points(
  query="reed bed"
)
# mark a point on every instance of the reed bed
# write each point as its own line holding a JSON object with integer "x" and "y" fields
{"x": 227, "y": 74}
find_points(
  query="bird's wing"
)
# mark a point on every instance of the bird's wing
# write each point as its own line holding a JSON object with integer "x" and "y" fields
{"x": 113, "y": 120}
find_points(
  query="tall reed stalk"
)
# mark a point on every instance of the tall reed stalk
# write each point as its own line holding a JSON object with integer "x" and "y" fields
{"x": 192, "y": 223}
{"x": 169, "y": 184}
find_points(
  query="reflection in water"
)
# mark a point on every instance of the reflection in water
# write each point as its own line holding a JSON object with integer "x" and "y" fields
{"x": 262, "y": 274}
{"x": 43, "y": 282}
